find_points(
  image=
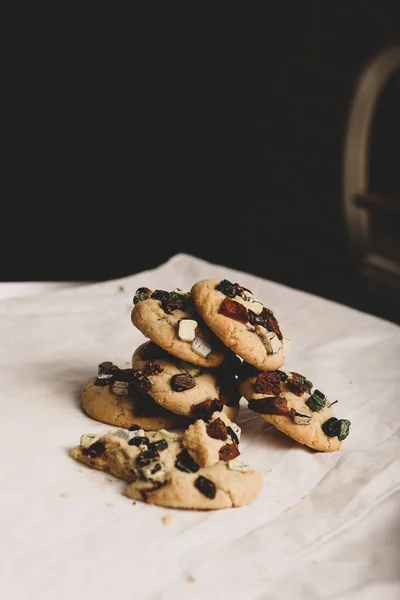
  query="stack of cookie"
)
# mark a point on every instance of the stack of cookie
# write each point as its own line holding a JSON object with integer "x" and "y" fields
{"x": 205, "y": 349}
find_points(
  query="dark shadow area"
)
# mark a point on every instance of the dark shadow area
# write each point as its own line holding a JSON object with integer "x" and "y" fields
{"x": 224, "y": 142}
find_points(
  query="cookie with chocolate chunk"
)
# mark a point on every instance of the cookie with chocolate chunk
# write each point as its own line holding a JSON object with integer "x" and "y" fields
{"x": 289, "y": 401}
{"x": 112, "y": 398}
{"x": 241, "y": 322}
{"x": 184, "y": 388}
{"x": 160, "y": 471}
{"x": 212, "y": 440}
{"x": 171, "y": 321}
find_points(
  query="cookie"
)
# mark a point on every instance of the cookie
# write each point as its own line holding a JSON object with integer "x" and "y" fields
{"x": 181, "y": 387}
{"x": 210, "y": 441}
{"x": 171, "y": 321}
{"x": 160, "y": 471}
{"x": 291, "y": 403}
{"x": 103, "y": 401}
{"x": 242, "y": 322}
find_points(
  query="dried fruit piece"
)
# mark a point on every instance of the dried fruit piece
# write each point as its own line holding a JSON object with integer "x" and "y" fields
{"x": 152, "y": 368}
{"x": 205, "y": 409}
{"x": 160, "y": 295}
{"x": 171, "y": 304}
{"x": 270, "y": 406}
{"x": 140, "y": 381}
{"x": 234, "y": 310}
{"x": 282, "y": 375}
{"x": 268, "y": 382}
{"x": 184, "y": 462}
{"x": 228, "y": 288}
{"x": 229, "y": 451}
{"x": 141, "y": 294}
{"x": 217, "y": 429}
{"x": 316, "y": 402}
{"x": 297, "y": 386}
{"x": 96, "y": 449}
{"x": 206, "y": 487}
{"x": 182, "y": 382}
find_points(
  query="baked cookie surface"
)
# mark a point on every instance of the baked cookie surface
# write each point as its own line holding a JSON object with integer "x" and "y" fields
{"x": 171, "y": 321}
{"x": 181, "y": 387}
{"x": 160, "y": 471}
{"x": 291, "y": 403}
{"x": 127, "y": 408}
{"x": 241, "y": 322}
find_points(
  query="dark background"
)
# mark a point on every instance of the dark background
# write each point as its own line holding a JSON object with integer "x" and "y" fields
{"x": 218, "y": 135}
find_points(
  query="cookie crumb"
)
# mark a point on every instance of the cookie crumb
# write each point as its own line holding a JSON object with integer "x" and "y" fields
{"x": 191, "y": 578}
{"x": 288, "y": 508}
{"x": 134, "y": 503}
{"x": 167, "y": 519}
{"x": 121, "y": 288}
{"x": 269, "y": 470}
{"x": 63, "y": 494}
{"x": 304, "y": 497}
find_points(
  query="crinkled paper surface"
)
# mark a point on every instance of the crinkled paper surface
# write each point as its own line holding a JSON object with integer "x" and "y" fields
{"x": 324, "y": 525}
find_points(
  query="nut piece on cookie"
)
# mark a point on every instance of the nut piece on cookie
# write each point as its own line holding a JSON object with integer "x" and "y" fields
{"x": 291, "y": 403}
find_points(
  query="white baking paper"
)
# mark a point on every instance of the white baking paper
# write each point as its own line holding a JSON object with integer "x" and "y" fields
{"x": 324, "y": 525}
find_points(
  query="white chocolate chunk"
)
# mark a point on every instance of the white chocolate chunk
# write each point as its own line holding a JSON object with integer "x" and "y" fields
{"x": 189, "y": 368}
{"x": 136, "y": 433}
{"x": 186, "y": 329}
{"x": 269, "y": 339}
{"x": 303, "y": 418}
{"x": 120, "y": 388}
{"x": 156, "y": 476}
{"x": 201, "y": 347}
{"x": 286, "y": 345}
{"x": 236, "y": 429}
{"x": 163, "y": 434}
{"x": 255, "y": 305}
{"x": 105, "y": 376}
{"x": 122, "y": 433}
{"x": 87, "y": 439}
{"x": 238, "y": 465}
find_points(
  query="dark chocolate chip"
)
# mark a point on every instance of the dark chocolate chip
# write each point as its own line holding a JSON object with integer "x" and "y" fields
{"x": 134, "y": 427}
{"x": 227, "y": 288}
{"x": 184, "y": 462}
{"x": 96, "y": 449}
{"x": 206, "y": 487}
{"x": 139, "y": 440}
{"x": 232, "y": 434}
{"x": 140, "y": 381}
{"x": 158, "y": 445}
{"x": 160, "y": 295}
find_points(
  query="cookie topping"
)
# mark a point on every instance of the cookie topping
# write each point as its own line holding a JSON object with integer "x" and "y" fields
{"x": 339, "y": 428}
{"x": 228, "y": 288}
{"x": 146, "y": 456}
{"x": 238, "y": 465}
{"x": 234, "y": 310}
{"x": 104, "y": 378}
{"x": 234, "y": 432}
{"x": 96, "y": 449}
{"x": 206, "y": 487}
{"x": 153, "y": 472}
{"x": 87, "y": 439}
{"x": 229, "y": 451}
{"x": 140, "y": 381}
{"x": 141, "y": 294}
{"x": 122, "y": 434}
{"x": 139, "y": 440}
{"x": 106, "y": 366}
{"x": 184, "y": 462}
{"x": 173, "y": 303}
{"x": 270, "y": 406}
{"x": 201, "y": 347}
{"x": 182, "y": 382}
{"x": 120, "y": 388}
{"x": 269, "y": 339}
{"x": 297, "y": 384}
{"x": 217, "y": 429}
{"x": 160, "y": 295}
{"x": 300, "y": 418}
{"x": 186, "y": 329}
{"x": 167, "y": 435}
{"x": 316, "y": 402}
{"x": 158, "y": 445}
{"x": 152, "y": 368}
{"x": 205, "y": 409}
{"x": 268, "y": 382}
{"x": 282, "y": 375}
